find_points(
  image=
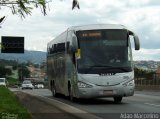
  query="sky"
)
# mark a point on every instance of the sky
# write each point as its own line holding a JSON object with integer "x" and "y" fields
{"x": 140, "y": 16}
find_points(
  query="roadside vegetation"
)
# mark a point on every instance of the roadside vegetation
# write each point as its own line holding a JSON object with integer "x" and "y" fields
{"x": 140, "y": 73}
{"x": 11, "y": 107}
{"x": 13, "y": 71}
{"x": 12, "y": 81}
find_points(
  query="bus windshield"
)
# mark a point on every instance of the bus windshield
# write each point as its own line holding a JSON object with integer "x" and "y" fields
{"x": 104, "y": 51}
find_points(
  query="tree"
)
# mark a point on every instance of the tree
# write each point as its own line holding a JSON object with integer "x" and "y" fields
{"x": 140, "y": 73}
{"x": 23, "y": 72}
{"x": 4, "y": 71}
{"x": 24, "y": 7}
{"x": 8, "y": 71}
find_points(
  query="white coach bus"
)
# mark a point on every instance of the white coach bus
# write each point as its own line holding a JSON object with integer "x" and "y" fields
{"x": 92, "y": 61}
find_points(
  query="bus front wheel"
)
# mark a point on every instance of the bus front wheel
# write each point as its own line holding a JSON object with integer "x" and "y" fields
{"x": 70, "y": 90}
{"x": 117, "y": 99}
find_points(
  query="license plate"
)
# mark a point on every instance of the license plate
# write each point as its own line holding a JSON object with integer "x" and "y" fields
{"x": 108, "y": 92}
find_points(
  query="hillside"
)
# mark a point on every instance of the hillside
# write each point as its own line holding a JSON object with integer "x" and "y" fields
{"x": 39, "y": 56}
{"x": 147, "y": 65}
{"x": 33, "y": 56}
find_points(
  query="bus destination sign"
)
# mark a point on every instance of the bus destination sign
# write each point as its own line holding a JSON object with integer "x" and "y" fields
{"x": 92, "y": 34}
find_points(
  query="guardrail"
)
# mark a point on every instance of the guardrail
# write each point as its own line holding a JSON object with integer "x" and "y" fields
{"x": 152, "y": 83}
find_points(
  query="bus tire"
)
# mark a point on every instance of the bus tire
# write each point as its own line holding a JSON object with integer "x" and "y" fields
{"x": 70, "y": 90}
{"x": 117, "y": 100}
{"x": 54, "y": 92}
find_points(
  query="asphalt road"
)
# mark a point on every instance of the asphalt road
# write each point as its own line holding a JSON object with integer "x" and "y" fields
{"x": 141, "y": 105}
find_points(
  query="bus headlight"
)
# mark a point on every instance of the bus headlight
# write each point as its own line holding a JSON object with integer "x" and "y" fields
{"x": 84, "y": 85}
{"x": 130, "y": 83}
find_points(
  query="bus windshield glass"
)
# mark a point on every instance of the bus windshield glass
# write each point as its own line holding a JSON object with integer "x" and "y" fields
{"x": 104, "y": 51}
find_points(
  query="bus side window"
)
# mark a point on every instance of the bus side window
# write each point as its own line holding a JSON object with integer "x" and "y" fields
{"x": 52, "y": 49}
{"x": 49, "y": 52}
{"x": 67, "y": 46}
{"x": 61, "y": 47}
{"x": 73, "y": 58}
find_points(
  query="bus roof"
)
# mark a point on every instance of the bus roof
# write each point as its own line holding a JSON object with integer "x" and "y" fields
{"x": 86, "y": 27}
{"x": 97, "y": 26}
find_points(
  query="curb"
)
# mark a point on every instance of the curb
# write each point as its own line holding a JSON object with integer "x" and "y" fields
{"x": 80, "y": 114}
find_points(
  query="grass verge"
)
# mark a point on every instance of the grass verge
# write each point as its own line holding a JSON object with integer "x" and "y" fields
{"x": 10, "y": 106}
{"x": 12, "y": 81}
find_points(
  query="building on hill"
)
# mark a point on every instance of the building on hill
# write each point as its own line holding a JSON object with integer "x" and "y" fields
{"x": 9, "y": 67}
{"x": 36, "y": 73}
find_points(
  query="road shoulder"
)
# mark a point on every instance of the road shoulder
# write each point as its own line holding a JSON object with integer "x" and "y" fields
{"x": 45, "y": 108}
{"x": 40, "y": 109}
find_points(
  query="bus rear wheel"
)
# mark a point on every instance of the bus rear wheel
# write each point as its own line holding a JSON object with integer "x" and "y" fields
{"x": 117, "y": 99}
{"x": 54, "y": 92}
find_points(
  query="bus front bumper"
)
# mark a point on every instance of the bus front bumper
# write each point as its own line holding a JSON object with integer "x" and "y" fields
{"x": 105, "y": 91}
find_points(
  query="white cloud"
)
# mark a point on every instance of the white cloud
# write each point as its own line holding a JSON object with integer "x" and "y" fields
{"x": 140, "y": 16}
{"x": 147, "y": 54}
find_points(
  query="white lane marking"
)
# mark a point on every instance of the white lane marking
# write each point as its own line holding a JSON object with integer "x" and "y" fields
{"x": 152, "y": 104}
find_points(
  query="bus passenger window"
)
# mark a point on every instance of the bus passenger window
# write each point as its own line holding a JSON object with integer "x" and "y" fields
{"x": 67, "y": 47}
{"x": 73, "y": 58}
{"x": 55, "y": 48}
{"x": 61, "y": 47}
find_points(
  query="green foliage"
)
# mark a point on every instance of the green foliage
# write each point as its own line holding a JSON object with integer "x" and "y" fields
{"x": 23, "y": 72}
{"x": 15, "y": 67}
{"x": 140, "y": 73}
{"x": 10, "y": 105}
{"x": 4, "y": 71}
{"x": 8, "y": 71}
{"x": 4, "y": 62}
{"x": 24, "y": 7}
{"x": 12, "y": 81}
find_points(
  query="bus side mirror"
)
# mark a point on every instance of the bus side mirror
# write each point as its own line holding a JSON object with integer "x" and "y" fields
{"x": 136, "y": 42}
{"x": 74, "y": 44}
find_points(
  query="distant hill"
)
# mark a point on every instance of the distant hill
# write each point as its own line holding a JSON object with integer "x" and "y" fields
{"x": 147, "y": 65}
{"x": 33, "y": 56}
{"x": 39, "y": 57}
